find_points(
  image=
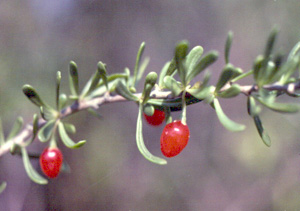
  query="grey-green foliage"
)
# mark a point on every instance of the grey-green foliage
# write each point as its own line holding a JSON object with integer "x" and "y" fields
{"x": 178, "y": 82}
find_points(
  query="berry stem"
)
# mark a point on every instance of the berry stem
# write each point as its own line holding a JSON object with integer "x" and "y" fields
{"x": 183, "y": 117}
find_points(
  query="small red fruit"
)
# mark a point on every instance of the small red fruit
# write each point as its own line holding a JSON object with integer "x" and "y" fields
{"x": 174, "y": 138}
{"x": 156, "y": 119}
{"x": 51, "y": 161}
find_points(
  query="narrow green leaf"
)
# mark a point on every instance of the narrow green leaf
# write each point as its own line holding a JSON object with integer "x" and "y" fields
{"x": 252, "y": 108}
{"x": 2, "y": 187}
{"x": 62, "y": 101}
{"x": 206, "y": 60}
{"x": 94, "y": 113}
{"x": 262, "y": 132}
{"x": 32, "y": 95}
{"x": 35, "y": 126}
{"x": 46, "y": 131}
{"x": 150, "y": 81}
{"x": 270, "y": 43}
{"x": 142, "y": 69}
{"x": 279, "y": 107}
{"x": 201, "y": 93}
{"x": 66, "y": 139}
{"x": 162, "y": 75}
{"x": 172, "y": 67}
{"x": 227, "y": 74}
{"x": 257, "y": 66}
{"x": 48, "y": 113}
{"x": 2, "y": 139}
{"x": 73, "y": 78}
{"x": 102, "y": 70}
{"x": 193, "y": 58}
{"x": 295, "y": 50}
{"x": 180, "y": 54}
{"x": 92, "y": 83}
{"x": 122, "y": 90}
{"x": 137, "y": 63}
{"x": 226, "y": 122}
{"x": 173, "y": 104}
{"x": 232, "y": 91}
{"x": 228, "y": 46}
{"x": 31, "y": 172}
{"x": 173, "y": 85}
{"x": 58, "y": 80}
{"x": 140, "y": 141}
{"x": 16, "y": 128}
{"x": 70, "y": 128}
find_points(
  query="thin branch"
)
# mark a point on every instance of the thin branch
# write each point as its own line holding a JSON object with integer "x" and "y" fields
{"x": 95, "y": 103}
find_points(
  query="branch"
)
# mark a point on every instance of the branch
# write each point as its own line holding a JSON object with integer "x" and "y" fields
{"x": 95, "y": 103}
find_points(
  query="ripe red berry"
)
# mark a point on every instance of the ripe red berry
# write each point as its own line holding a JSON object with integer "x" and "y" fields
{"x": 174, "y": 138}
{"x": 51, "y": 160}
{"x": 156, "y": 119}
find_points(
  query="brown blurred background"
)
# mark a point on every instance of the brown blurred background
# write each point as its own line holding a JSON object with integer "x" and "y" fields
{"x": 218, "y": 170}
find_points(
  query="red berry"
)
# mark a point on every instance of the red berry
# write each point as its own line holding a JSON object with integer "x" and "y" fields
{"x": 156, "y": 119}
{"x": 51, "y": 160}
{"x": 174, "y": 138}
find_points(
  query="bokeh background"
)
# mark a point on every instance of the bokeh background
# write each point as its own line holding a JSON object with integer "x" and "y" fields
{"x": 218, "y": 170}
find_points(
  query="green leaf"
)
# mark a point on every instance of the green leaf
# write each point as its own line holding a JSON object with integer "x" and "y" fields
{"x": 206, "y": 60}
{"x": 58, "y": 80}
{"x": 174, "y": 104}
{"x": 193, "y": 58}
{"x": 70, "y": 128}
{"x": 226, "y": 122}
{"x": 172, "y": 67}
{"x": 66, "y": 139}
{"x": 180, "y": 54}
{"x": 31, "y": 172}
{"x": 122, "y": 90}
{"x": 32, "y": 95}
{"x": 137, "y": 63}
{"x": 2, "y": 187}
{"x": 48, "y": 113}
{"x": 140, "y": 141}
{"x": 142, "y": 69}
{"x": 92, "y": 83}
{"x": 62, "y": 101}
{"x": 228, "y": 73}
{"x": 102, "y": 70}
{"x": 73, "y": 78}
{"x": 201, "y": 93}
{"x": 46, "y": 131}
{"x": 262, "y": 132}
{"x": 295, "y": 50}
{"x": 162, "y": 75}
{"x": 257, "y": 66}
{"x": 252, "y": 108}
{"x": 232, "y": 91}
{"x": 150, "y": 81}
{"x": 16, "y": 128}
{"x": 35, "y": 126}
{"x": 228, "y": 46}
{"x": 173, "y": 85}
{"x": 94, "y": 113}
{"x": 279, "y": 107}
{"x": 2, "y": 139}
{"x": 270, "y": 44}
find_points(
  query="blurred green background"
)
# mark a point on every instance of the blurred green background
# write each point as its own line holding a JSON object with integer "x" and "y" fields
{"x": 218, "y": 170}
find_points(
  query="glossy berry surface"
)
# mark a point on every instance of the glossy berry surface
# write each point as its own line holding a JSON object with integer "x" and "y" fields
{"x": 156, "y": 119}
{"x": 174, "y": 138}
{"x": 51, "y": 161}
